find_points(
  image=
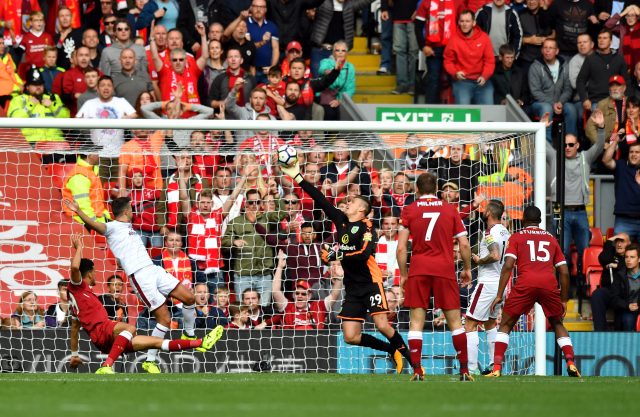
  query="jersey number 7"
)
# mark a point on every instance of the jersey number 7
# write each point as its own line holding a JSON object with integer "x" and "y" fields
{"x": 433, "y": 218}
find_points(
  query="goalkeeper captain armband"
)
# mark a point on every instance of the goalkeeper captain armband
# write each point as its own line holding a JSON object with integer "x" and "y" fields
{"x": 329, "y": 254}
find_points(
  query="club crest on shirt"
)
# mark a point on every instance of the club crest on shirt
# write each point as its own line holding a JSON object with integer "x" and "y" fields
{"x": 354, "y": 229}
{"x": 345, "y": 239}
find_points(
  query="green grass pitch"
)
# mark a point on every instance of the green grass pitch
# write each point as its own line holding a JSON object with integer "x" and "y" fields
{"x": 306, "y": 395}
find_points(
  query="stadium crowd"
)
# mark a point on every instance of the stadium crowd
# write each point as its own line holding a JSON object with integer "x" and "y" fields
{"x": 236, "y": 230}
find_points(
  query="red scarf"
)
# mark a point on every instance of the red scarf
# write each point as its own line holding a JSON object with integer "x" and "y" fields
{"x": 629, "y": 132}
{"x": 232, "y": 82}
{"x": 442, "y": 21}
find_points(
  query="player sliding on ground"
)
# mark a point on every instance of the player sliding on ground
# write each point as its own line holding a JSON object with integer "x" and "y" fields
{"x": 536, "y": 252}
{"x": 152, "y": 283}
{"x": 434, "y": 224}
{"x": 110, "y": 337}
{"x": 364, "y": 291}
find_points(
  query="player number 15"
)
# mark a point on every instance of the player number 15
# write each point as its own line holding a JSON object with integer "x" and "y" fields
{"x": 541, "y": 254}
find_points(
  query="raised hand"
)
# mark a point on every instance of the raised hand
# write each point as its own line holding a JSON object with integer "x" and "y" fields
{"x": 597, "y": 117}
{"x": 76, "y": 241}
{"x": 71, "y": 204}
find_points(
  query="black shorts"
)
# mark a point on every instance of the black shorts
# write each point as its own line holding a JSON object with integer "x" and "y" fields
{"x": 365, "y": 298}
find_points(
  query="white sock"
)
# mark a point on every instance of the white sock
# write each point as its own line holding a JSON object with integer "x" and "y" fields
{"x": 491, "y": 342}
{"x": 158, "y": 331}
{"x": 564, "y": 341}
{"x": 472, "y": 350}
{"x": 165, "y": 345}
{"x": 189, "y": 318}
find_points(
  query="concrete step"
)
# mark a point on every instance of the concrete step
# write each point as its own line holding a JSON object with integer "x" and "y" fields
{"x": 578, "y": 326}
{"x": 368, "y": 81}
{"x": 360, "y": 45}
{"x": 364, "y": 61}
{"x": 376, "y": 97}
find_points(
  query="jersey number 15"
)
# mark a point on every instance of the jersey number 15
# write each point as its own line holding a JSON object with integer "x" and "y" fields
{"x": 540, "y": 254}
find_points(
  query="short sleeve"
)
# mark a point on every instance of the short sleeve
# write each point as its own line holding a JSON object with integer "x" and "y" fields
{"x": 458, "y": 226}
{"x": 558, "y": 256}
{"x": 423, "y": 10}
{"x": 512, "y": 247}
{"x": 108, "y": 228}
{"x": 128, "y": 108}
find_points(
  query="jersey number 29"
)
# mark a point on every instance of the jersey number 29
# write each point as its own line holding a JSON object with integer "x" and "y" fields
{"x": 433, "y": 218}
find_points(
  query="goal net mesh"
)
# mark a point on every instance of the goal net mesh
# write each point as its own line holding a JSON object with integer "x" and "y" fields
{"x": 35, "y": 243}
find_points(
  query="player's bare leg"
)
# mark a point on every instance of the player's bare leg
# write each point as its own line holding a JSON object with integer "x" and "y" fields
{"x": 400, "y": 349}
{"x": 459, "y": 338}
{"x": 188, "y": 300}
{"x": 417, "y": 316}
{"x": 502, "y": 342}
{"x": 564, "y": 341}
{"x": 163, "y": 322}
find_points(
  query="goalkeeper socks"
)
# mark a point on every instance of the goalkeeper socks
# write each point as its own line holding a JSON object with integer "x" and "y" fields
{"x": 460, "y": 345}
{"x": 502, "y": 342}
{"x": 398, "y": 344}
{"x": 415, "y": 350}
{"x": 491, "y": 342}
{"x": 158, "y": 331}
{"x": 179, "y": 344}
{"x": 567, "y": 349}
{"x": 366, "y": 340}
{"x": 472, "y": 349}
{"x": 189, "y": 319}
{"x": 119, "y": 345}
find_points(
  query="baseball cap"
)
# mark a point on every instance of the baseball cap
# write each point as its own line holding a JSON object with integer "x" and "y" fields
{"x": 302, "y": 283}
{"x": 294, "y": 45}
{"x": 451, "y": 184}
{"x": 617, "y": 79}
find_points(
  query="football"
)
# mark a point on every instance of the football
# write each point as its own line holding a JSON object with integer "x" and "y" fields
{"x": 287, "y": 155}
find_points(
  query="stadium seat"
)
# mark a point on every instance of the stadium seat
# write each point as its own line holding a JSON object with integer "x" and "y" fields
{"x": 591, "y": 268}
{"x": 596, "y": 237}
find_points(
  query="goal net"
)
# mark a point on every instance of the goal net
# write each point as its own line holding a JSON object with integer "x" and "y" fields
{"x": 171, "y": 169}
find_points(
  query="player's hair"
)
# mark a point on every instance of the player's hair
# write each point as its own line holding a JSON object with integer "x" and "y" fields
{"x": 532, "y": 215}
{"x": 63, "y": 283}
{"x": 426, "y": 183}
{"x": 633, "y": 246}
{"x": 496, "y": 208}
{"x": 506, "y": 49}
{"x": 86, "y": 266}
{"x": 119, "y": 205}
{"x": 114, "y": 277}
{"x": 275, "y": 71}
{"x": 251, "y": 289}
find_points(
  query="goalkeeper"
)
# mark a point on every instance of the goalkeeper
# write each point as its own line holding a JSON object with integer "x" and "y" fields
{"x": 363, "y": 279}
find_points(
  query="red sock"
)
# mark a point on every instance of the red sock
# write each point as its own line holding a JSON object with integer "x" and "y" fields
{"x": 460, "y": 345}
{"x": 119, "y": 345}
{"x": 568, "y": 354}
{"x": 180, "y": 344}
{"x": 500, "y": 349}
{"x": 415, "y": 349}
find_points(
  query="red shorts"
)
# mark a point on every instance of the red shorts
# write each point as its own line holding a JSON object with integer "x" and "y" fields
{"x": 102, "y": 337}
{"x": 521, "y": 300}
{"x": 419, "y": 288}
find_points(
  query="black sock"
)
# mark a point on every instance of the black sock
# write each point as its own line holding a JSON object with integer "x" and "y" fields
{"x": 367, "y": 340}
{"x": 398, "y": 344}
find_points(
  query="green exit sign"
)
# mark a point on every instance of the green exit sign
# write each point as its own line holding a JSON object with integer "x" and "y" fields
{"x": 425, "y": 114}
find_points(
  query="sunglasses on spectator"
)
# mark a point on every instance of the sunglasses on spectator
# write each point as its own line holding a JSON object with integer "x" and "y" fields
{"x": 301, "y": 293}
{"x": 570, "y": 145}
{"x": 253, "y": 202}
{"x": 177, "y": 59}
{"x": 121, "y": 29}
{"x": 290, "y": 202}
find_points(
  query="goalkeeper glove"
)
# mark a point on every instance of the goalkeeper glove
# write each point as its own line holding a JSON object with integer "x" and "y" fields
{"x": 293, "y": 171}
{"x": 329, "y": 254}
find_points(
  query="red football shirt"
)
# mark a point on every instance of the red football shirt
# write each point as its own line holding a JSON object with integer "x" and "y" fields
{"x": 33, "y": 46}
{"x": 537, "y": 253}
{"x": 433, "y": 224}
{"x": 86, "y": 306}
{"x": 311, "y": 318}
{"x": 169, "y": 79}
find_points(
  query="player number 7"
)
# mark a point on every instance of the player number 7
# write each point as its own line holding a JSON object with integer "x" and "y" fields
{"x": 433, "y": 218}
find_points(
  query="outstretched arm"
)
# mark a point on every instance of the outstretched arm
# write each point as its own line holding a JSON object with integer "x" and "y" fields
{"x": 276, "y": 286}
{"x": 78, "y": 245}
{"x": 89, "y": 222}
{"x": 75, "y": 359}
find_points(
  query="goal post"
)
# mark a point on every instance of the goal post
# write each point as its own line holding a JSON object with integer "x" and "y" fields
{"x": 387, "y": 138}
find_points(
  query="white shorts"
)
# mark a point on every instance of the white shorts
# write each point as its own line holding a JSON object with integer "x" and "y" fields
{"x": 480, "y": 303}
{"x": 153, "y": 284}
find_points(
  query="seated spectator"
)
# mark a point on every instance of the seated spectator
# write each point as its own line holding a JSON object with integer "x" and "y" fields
{"x": 142, "y": 152}
{"x": 536, "y": 27}
{"x": 28, "y": 314}
{"x": 468, "y": 59}
{"x": 49, "y": 70}
{"x": 386, "y": 251}
{"x": 91, "y": 77}
{"x": 83, "y": 185}
{"x": 10, "y": 82}
{"x": 33, "y": 44}
{"x": 236, "y": 33}
{"x": 143, "y": 203}
{"x": 275, "y": 89}
{"x": 625, "y": 26}
{"x": 225, "y": 82}
{"x": 70, "y": 84}
{"x": 612, "y": 109}
{"x": 239, "y": 317}
{"x": 551, "y": 89}
{"x": 625, "y": 289}
{"x": 302, "y": 313}
{"x": 509, "y": 79}
{"x": 219, "y": 311}
{"x": 627, "y": 187}
{"x": 500, "y": 34}
{"x": 612, "y": 261}
{"x": 129, "y": 82}
{"x": 259, "y": 314}
{"x": 343, "y": 171}
{"x": 592, "y": 82}
{"x": 58, "y": 314}
{"x": 213, "y": 67}
{"x": 110, "y": 57}
{"x": 309, "y": 87}
{"x": 114, "y": 299}
{"x": 569, "y": 19}
{"x": 344, "y": 85}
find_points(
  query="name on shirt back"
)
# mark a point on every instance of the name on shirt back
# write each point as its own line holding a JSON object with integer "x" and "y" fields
{"x": 429, "y": 203}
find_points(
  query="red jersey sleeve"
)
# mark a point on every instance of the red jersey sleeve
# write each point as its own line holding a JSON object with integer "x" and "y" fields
{"x": 512, "y": 246}
{"x": 458, "y": 226}
{"x": 558, "y": 256}
{"x": 423, "y": 10}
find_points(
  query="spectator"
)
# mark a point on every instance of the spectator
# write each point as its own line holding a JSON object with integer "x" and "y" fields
{"x": 58, "y": 314}
{"x": 114, "y": 299}
{"x": 457, "y": 169}
{"x": 386, "y": 251}
{"x": 612, "y": 261}
{"x": 259, "y": 317}
{"x": 143, "y": 204}
{"x": 265, "y": 35}
{"x": 509, "y": 79}
{"x": 49, "y": 70}
{"x": 536, "y": 27}
{"x": 625, "y": 25}
{"x": 204, "y": 227}
{"x": 10, "y": 82}
{"x": 274, "y": 89}
{"x": 468, "y": 59}
{"x": 263, "y": 144}
{"x": 33, "y": 44}
{"x": 334, "y": 21}
{"x": 215, "y": 32}
{"x": 110, "y": 57}
{"x": 91, "y": 77}
{"x": 440, "y": 30}
{"x": 509, "y": 32}
{"x": 252, "y": 259}
{"x": 344, "y": 85}
{"x": 175, "y": 261}
{"x": 596, "y": 71}
{"x": 344, "y": 171}
{"x": 83, "y": 185}
{"x": 35, "y": 103}
{"x": 615, "y": 109}
{"x": 208, "y": 12}
{"x": 405, "y": 45}
{"x": 568, "y": 17}
{"x": 550, "y": 87}
{"x": 66, "y": 38}
{"x": 292, "y": 102}
{"x": 142, "y": 152}
{"x": 203, "y": 309}
{"x": 90, "y": 40}
{"x": 254, "y": 109}
{"x": 108, "y": 28}
{"x": 225, "y": 82}
{"x": 129, "y": 83}
{"x": 213, "y": 67}
{"x": 109, "y": 141}
{"x": 625, "y": 290}
{"x": 169, "y": 18}
{"x": 159, "y": 38}
{"x": 409, "y": 160}
{"x": 585, "y": 48}
{"x": 293, "y": 51}
{"x": 627, "y": 187}
{"x": 71, "y": 84}
{"x": 28, "y": 314}
{"x": 236, "y": 33}
{"x": 302, "y": 313}
{"x": 220, "y": 309}
{"x": 222, "y": 190}
{"x": 289, "y": 16}
{"x": 309, "y": 87}
{"x": 238, "y": 316}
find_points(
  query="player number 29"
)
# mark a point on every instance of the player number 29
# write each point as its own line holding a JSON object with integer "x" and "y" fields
{"x": 375, "y": 300}
{"x": 540, "y": 254}
{"x": 433, "y": 218}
